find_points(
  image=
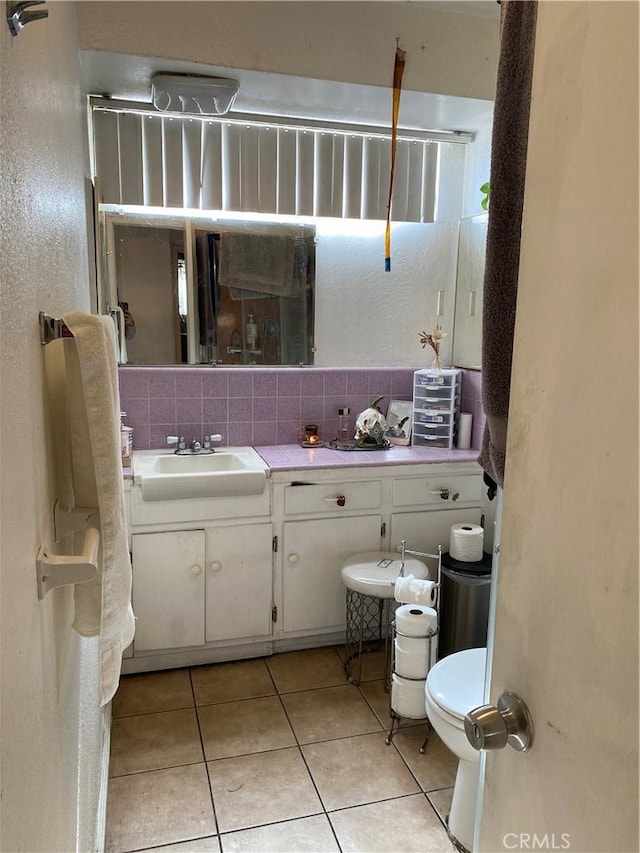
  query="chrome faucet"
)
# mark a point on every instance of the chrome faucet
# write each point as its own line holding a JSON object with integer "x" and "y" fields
{"x": 195, "y": 448}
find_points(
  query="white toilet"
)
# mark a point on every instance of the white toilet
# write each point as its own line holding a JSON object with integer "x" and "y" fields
{"x": 455, "y": 685}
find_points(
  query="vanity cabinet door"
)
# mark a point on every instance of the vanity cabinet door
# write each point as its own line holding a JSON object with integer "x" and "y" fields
{"x": 313, "y": 553}
{"x": 424, "y": 531}
{"x": 168, "y": 589}
{"x": 239, "y": 582}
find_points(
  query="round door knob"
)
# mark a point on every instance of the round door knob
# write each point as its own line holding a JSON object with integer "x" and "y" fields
{"x": 495, "y": 726}
{"x": 196, "y": 570}
{"x": 293, "y": 558}
{"x": 216, "y": 566}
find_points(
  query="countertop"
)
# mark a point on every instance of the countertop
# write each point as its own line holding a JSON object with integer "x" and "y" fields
{"x": 293, "y": 457}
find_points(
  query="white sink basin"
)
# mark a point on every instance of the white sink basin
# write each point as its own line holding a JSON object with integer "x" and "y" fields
{"x": 229, "y": 472}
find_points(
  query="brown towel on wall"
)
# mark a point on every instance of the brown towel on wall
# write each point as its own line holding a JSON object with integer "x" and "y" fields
{"x": 508, "y": 166}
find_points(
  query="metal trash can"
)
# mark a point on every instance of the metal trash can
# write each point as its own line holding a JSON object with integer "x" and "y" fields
{"x": 464, "y": 604}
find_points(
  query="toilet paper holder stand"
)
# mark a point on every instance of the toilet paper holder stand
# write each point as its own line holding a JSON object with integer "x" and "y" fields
{"x": 430, "y": 637}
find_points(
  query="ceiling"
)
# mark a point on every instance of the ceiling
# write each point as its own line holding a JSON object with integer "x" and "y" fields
{"x": 127, "y": 77}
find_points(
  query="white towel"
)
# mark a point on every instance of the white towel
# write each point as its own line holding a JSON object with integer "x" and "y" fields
{"x": 102, "y": 606}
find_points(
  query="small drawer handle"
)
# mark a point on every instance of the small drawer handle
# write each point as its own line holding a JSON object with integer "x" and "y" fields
{"x": 215, "y": 566}
{"x": 196, "y": 570}
{"x": 293, "y": 558}
{"x": 340, "y": 500}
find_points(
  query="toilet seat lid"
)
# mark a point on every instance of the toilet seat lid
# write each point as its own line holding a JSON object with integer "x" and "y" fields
{"x": 456, "y": 683}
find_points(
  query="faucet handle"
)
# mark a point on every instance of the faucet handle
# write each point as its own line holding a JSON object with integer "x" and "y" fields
{"x": 209, "y": 439}
{"x": 177, "y": 439}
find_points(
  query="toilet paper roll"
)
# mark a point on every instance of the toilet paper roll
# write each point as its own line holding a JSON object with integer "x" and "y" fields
{"x": 411, "y": 590}
{"x": 411, "y": 657}
{"x": 466, "y": 542}
{"x": 408, "y": 697}
{"x": 415, "y": 620}
{"x": 464, "y": 430}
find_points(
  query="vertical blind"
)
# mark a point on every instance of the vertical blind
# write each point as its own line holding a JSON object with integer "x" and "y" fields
{"x": 218, "y": 164}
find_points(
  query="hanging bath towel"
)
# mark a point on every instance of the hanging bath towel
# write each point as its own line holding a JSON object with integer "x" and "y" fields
{"x": 102, "y": 606}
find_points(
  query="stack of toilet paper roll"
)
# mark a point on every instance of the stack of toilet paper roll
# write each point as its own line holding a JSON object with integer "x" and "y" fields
{"x": 466, "y": 542}
{"x": 414, "y": 654}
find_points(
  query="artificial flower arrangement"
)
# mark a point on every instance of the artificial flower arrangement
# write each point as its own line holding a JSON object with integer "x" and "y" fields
{"x": 433, "y": 339}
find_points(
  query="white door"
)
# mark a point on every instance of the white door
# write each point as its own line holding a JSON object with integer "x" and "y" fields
{"x": 168, "y": 589}
{"x": 239, "y": 581}
{"x": 566, "y": 630}
{"x": 313, "y": 553}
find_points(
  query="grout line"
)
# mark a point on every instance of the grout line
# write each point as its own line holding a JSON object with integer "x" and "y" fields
{"x": 204, "y": 755}
{"x": 157, "y": 769}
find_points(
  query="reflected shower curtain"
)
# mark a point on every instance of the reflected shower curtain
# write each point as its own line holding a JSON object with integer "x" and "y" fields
{"x": 207, "y": 267}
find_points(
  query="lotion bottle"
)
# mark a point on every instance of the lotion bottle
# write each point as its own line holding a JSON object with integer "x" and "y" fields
{"x": 252, "y": 333}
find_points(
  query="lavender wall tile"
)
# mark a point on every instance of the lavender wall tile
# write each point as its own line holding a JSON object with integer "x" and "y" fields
{"x": 162, "y": 382}
{"x": 330, "y": 407}
{"x": 189, "y": 383}
{"x": 264, "y": 384}
{"x": 137, "y": 412}
{"x": 288, "y": 432}
{"x": 311, "y": 409}
{"x": 289, "y": 383}
{"x": 141, "y": 438}
{"x": 162, "y": 410}
{"x": 380, "y": 385}
{"x": 240, "y": 409}
{"x": 215, "y": 409}
{"x": 288, "y": 409}
{"x": 265, "y": 432}
{"x": 188, "y": 410}
{"x": 240, "y": 434}
{"x": 215, "y": 382}
{"x": 240, "y": 382}
{"x": 402, "y": 384}
{"x": 312, "y": 382}
{"x": 359, "y": 404}
{"x": 264, "y": 409}
{"x": 191, "y": 431}
{"x": 335, "y": 383}
{"x": 134, "y": 382}
{"x": 358, "y": 382}
{"x": 158, "y": 435}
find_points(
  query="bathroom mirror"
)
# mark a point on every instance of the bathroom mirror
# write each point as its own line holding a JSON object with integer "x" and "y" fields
{"x": 205, "y": 292}
{"x": 467, "y": 328}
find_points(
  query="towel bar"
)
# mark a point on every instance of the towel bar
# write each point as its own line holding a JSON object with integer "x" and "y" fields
{"x": 60, "y": 569}
{"x": 52, "y": 329}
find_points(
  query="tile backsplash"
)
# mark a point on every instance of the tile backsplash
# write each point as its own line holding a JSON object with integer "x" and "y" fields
{"x": 262, "y": 405}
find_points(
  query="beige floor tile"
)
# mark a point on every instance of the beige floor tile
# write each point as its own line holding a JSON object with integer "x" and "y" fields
{"x": 306, "y": 669}
{"x": 378, "y": 698}
{"x": 238, "y": 728}
{"x": 329, "y": 712}
{"x": 408, "y": 824}
{"x": 161, "y": 807}
{"x": 372, "y": 663}
{"x": 228, "y": 682}
{"x": 263, "y": 788}
{"x": 357, "y": 770}
{"x": 433, "y": 770}
{"x": 441, "y": 801}
{"x": 305, "y": 835}
{"x": 199, "y": 845}
{"x": 153, "y": 692}
{"x": 154, "y": 741}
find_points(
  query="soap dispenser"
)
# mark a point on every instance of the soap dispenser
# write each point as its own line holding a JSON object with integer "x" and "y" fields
{"x": 252, "y": 333}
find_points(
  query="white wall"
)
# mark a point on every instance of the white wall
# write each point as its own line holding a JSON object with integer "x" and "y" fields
{"x": 567, "y": 604}
{"x": 353, "y": 42}
{"x": 44, "y": 268}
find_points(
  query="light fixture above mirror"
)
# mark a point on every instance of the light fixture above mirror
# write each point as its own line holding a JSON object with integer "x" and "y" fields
{"x": 193, "y": 94}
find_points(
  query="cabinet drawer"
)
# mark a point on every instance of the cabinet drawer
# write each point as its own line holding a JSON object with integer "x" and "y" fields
{"x": 421, "y": 491}
{"x": 327, "y": 497}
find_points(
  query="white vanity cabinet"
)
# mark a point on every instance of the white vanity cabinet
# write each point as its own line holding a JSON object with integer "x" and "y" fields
{"x": 425, "y": 507}
{"x": 192, "y": 587}
{"x": 168, "y": 589}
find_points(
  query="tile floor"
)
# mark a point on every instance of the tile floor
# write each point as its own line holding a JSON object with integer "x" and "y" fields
{"x": 272, "y": 754}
